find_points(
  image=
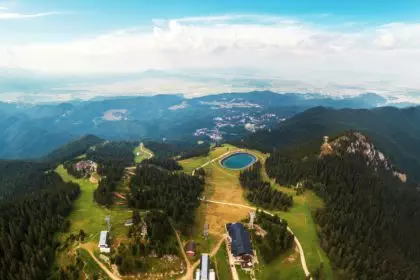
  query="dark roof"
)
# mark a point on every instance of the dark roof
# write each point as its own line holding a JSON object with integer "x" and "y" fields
{"x": 241, "y": 243}
{"x": 190, "y": 246}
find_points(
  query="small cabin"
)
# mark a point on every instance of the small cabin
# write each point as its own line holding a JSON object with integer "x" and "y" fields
{"x": 103, "y": 242}
{"x": 191, "y": 248}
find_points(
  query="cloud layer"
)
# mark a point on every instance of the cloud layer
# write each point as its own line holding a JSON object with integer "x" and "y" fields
{"x": 345, "y": 57}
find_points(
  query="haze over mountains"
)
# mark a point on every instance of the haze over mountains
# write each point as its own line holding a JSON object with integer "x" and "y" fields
{"x": 29, "y": 131}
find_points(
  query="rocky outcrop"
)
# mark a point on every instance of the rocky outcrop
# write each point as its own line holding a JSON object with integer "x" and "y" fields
{"x": 357, "y": 143}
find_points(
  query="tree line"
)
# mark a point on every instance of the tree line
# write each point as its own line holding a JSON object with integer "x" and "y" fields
{"x": 166, "y": 163}
{"x": 369, "y": 227}
{"x": 261, "y": 193}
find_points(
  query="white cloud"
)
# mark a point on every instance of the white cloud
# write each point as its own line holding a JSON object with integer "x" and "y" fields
{"x": 10, "y": 15}
{"x": 277, "y": 48}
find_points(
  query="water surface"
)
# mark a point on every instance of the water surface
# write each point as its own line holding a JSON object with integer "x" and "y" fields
{"x": 238, "y": 161}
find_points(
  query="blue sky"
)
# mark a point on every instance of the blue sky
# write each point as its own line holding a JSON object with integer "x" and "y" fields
{"x": 200, "y": 47}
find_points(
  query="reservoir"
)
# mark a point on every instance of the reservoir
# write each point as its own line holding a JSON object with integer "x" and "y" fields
{"x": 238, "y": 161}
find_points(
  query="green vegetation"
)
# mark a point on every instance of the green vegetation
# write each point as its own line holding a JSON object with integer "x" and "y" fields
{"x": 73, "y": 149}
{"x": 300, "y": 220}
{"x": 91, "y": 269}
{"x": 88, "y": 215}
{"x": 277, "y": 239}
{"x": 287, "y": 266}
{"x": 175, "y": 193}
{"x": 222, "y": 264}
{"x": 243, "y": 275}
{"x": 143, "y": 153}
{"x": 223, "y": 185}
{"x": 363, "y": 236}
{"x": 29, "y": 222}
{"x": 133, "y": 256}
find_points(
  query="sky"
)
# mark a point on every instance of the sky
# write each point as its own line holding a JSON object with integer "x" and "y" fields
{"x": 81, "y": 49}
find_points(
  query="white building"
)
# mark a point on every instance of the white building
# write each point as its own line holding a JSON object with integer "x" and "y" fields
{"x": 212, "y": 275}
{"x": 204, "y": 267}
{"x": 103, "y": 242}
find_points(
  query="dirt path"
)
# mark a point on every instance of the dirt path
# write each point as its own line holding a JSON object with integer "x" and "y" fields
{"x": 117, "y": 194}
{"x": 190, "y": 270}
{"x": 145, "y": 151}
{"x": 101, "y": 265}
{"x": 213, "y": 160}
{"x": 301, "y": 252}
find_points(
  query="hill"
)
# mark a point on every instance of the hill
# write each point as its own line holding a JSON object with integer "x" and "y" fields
{"x": 369, "y": 225}
{"x": 30, "y": 131}
{"x": 73, "y": 149}
{"x": 396, "y": 131}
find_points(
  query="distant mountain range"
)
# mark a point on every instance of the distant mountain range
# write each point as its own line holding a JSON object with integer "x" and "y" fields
{"x": 29, "y": 131}
{"x": 396, "y": 131}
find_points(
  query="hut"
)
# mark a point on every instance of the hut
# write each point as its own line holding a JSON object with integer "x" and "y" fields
{"x": 191, "y": 248}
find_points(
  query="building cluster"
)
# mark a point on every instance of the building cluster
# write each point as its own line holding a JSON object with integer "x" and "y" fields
{"x": 228, "y": 124}
{"x": 86, "y": 166}
{"x": 239, "y": 245}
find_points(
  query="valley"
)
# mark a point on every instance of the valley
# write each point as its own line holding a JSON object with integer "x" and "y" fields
{"x": 223, "y": 201}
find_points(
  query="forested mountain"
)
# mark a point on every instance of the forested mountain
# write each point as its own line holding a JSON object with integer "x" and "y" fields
{"x": 29, "y": 223}
{"x": 396, "y": 131}
{"x": 73, "y": 149}
{"x": 30, "y": 131}
{"x": 369, "y": 226}
{"x": 21, "y": 177}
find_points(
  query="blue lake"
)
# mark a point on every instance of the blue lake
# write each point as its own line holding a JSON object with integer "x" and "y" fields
{"x": 238, "y": 161}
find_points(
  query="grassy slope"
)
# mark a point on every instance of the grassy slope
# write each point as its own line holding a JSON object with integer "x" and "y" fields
{"x": 91, "y": 267}
{"x": 222, "y": 264}
{"x": 299, "y": 216}
{"x": 286, "y": 266}
{"x": 142, "y": 155}
{"x": 90, "y": 216}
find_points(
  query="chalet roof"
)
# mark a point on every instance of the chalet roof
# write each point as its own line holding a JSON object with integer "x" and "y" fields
{"x": 241, "y": 243}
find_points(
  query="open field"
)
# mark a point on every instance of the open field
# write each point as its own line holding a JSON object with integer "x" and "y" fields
{"x": 91, "y": 268}
{"x": 190, "y": 164}
{"x": 222, "y": 264}
{"x": 223, "y": 185}
{"x": 144, "y": 153}
{"x": 301, "y": 222}
{"x": 89, "y": 216}
{"x": 299, "y": 218}
{"x": 286, "y": 266}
